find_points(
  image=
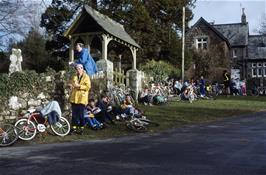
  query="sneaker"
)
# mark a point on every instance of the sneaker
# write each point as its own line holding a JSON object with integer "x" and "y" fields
{"x": 117, "y": 117}
{"x": 101, "y": 125}
{"x": 123, "y": 116}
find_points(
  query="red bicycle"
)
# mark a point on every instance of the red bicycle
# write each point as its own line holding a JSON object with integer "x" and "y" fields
{"x": 33, "y": 122}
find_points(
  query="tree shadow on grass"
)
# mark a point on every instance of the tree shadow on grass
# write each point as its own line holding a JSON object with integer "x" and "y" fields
{"x": 246, "y": 98}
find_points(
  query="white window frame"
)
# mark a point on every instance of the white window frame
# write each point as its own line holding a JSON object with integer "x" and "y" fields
{"x": 234, "y": 53}
{"x": 259, "y": 70}
{"x": 264, "y": 64}
{"x": 252, "y": 73}
{"x": 259, "y": 64}
{"x": 200, "y": 40}
{"x": 253, "y": 64}
{"x": 264, "y": 72}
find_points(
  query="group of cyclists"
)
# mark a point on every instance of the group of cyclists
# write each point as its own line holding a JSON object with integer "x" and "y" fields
{"x": 192, "y": 89}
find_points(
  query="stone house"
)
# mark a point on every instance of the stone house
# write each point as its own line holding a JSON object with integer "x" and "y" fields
{"x": 203, "y": 36}
{"x": 246, "y": 52}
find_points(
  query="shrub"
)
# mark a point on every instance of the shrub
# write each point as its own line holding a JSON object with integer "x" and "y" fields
{"x": 160, "y": 70}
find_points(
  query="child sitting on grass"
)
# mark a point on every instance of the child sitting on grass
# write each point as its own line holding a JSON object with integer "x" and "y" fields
{"x": 90, "y": 112}
{"x": 128, "y": 108}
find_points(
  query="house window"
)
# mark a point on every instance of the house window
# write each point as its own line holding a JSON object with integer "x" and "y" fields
{"x": 234, "y": 53}
{"x": 259, "y": 71}
{"x": 254, "y": 65}
{"x": 202, "y": 43}
{"x": 254, "y": 73}
{"x": 264, "y": 64}
{"x": 264, "y": 72}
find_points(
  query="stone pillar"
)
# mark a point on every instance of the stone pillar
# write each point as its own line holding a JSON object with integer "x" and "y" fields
{"x": 134, "y": 55}
{"x": 107, "y": 68}
{"x": 134, "y": 80}
{"x": 119, "y": 63}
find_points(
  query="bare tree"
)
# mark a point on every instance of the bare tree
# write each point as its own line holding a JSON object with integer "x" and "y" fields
{"x": 17, "y": 18}
{"x": 262, "y": 28}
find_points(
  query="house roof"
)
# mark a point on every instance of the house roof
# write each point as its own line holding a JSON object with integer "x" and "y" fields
{"x": 257, "y": 47}
{"x": 202, "y": 20}
{"x": 105, "y": 23}
{"x": 236, "y": 33}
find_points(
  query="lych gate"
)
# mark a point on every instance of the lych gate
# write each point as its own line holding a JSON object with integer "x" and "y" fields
{"x": 89, "y": 24}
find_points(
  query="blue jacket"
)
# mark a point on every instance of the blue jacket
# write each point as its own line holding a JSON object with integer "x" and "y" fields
{"x": 87, "y": 61}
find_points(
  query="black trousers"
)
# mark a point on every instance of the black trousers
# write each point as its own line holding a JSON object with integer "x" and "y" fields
{"x": 78, "y": 111}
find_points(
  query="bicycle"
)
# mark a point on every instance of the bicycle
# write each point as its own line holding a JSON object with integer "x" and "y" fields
{"x": 140, "y": 124}
{"x": 8, "y": 134}
{"x": 32, "y": 122}
{"x": 257, "y": 91}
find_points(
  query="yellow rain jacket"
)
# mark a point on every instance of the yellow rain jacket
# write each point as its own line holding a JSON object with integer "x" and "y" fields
{"x": 80, "y": 95}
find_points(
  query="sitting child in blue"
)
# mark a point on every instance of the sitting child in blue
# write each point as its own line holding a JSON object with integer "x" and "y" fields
{"x": 90, "y": 112}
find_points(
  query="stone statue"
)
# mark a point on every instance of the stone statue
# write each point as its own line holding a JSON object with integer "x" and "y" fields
{"x": 19, "y": 60}
{"x": 15, "y": 61}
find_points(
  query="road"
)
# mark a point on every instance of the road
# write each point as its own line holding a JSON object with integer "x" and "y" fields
{"x": 229, "y": 147}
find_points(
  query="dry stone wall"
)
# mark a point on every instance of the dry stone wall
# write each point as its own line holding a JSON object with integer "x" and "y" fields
{"x": 53, "y": 86}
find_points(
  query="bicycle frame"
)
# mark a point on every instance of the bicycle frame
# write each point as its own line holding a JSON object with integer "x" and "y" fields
{"x": 35, "y": 117}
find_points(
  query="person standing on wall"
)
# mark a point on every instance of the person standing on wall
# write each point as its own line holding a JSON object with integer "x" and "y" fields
{"x": 80, "y": 85}
{"x": 86, "y": 60}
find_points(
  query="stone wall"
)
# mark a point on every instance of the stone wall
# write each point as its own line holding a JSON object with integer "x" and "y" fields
{"x": 53, "y": 88}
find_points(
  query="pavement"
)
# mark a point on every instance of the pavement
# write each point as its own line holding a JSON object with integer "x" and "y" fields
{"x": 235, "y": 146}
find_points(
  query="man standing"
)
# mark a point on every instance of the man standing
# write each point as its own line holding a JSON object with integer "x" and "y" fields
{"x": 202, "y": 87}
{"x": 86, "y": 60}
{"x": 226, "y": 82}
{"x": 80, "y": 85}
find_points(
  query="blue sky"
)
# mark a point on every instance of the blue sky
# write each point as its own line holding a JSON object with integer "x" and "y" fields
{"x": 229, "y": 11}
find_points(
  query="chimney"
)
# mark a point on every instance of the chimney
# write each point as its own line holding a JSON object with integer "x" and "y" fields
{"x": 243, "y": 17}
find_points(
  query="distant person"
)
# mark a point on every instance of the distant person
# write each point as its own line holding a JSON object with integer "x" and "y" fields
{"x": 178, "y": 86}
{"x": 202, "y": 87}
{"x": 226, "y": 80}
{"x": 86, "y": 60}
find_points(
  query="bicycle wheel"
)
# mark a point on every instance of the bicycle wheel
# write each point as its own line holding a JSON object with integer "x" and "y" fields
{"x": 62, "y": 127}
{"x": 26, "y": 129}
{"x": 135, "y": 128}
{"x": 8, "y": 135}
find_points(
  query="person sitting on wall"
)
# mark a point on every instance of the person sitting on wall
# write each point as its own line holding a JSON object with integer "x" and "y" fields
{"x": 86, "y": 60}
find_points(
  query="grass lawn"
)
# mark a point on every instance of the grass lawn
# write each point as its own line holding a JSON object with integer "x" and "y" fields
{"x": 171, "y": 115}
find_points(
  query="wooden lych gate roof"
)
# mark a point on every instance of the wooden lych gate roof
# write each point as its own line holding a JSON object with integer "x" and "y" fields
{"x": 92, "y": 21}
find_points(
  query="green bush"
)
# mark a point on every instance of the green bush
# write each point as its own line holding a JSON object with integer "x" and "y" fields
{"x": 160, "y": 70}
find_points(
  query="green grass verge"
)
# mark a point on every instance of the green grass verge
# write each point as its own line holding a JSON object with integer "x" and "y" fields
{"x": 171, "y": 115}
